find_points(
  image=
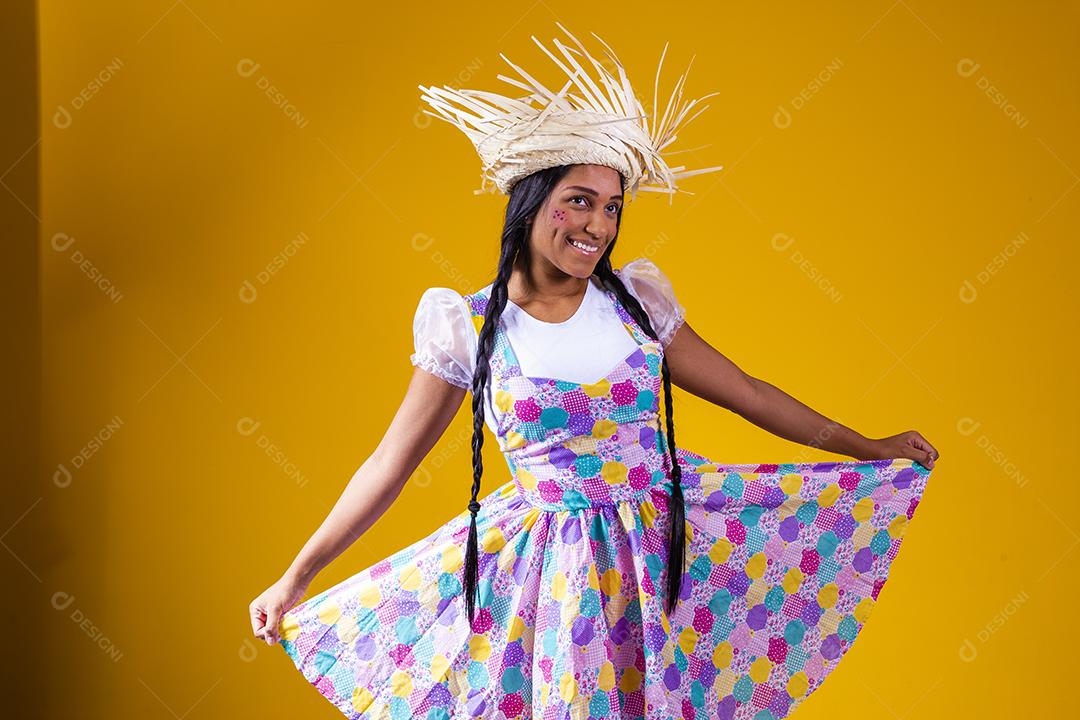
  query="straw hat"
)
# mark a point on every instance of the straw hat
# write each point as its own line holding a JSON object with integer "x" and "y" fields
{"x": 603, "y": 123}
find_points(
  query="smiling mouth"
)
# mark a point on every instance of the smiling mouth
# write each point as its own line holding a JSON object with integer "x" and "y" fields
{"x": 584, "y": 248}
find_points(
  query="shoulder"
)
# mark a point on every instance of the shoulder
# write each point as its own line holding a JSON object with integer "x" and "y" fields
{"x": 442, "y": 304}
{"x": 641, "y": 267}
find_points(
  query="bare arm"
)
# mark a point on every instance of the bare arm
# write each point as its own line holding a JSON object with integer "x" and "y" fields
{"x": 430, "y": 404}
{"x": 702, "y": 370}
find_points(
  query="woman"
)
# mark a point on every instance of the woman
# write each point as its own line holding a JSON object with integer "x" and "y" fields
{"x": 615, "y": 574}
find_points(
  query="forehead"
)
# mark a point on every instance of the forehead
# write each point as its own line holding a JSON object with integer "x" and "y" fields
{"x": 601, "y": 178}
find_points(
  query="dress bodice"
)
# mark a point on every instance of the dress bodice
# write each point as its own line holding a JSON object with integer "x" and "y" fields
{"x": 572, "y": 445}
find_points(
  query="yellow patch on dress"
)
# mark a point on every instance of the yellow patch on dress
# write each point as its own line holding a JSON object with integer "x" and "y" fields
{"x": 452, "y": 558}
{"x": 606, "y": 678}
{"x": 597, "y": 389}
{"x": 370, "y": 596}
{"x": 829, "y": 495}
{"x": 828, "y": 595}
{"x": 791, "y": 483}
{"x": 647, "y": 512}
{"x": 526, "y": 479}
{"x": 720, "y": 551}
{"x": 863, "y": 510}
{"x": 410, "y": 578}
{"x": 289, "y": 627}
{"x": 401, "y": 684}
{"x": 797, "y": 685}
{"x": 603, "y": 429}
{"x": 614, "y": 472}
{"x": 688, "y": 640}
{"x": 568, "y": 686}
{"x": 493, "y": 540}
{"x": 329, "y": 613}
{"x": 479, "y": 647}
{"x": 863, "y": 609}
{"x": 361, "y": 699}
{"x": 529, "y": 519}
{"x": 755, "y": 566}
{"x": 759, "y": 670}
{"x": 793, "y": 580}
{"x": 611, "y": 582}
{"x": 631, "y": 680}
{"x": 722, "y": 655}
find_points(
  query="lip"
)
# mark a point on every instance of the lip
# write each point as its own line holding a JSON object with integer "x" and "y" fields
{"x": 579, "y": 250}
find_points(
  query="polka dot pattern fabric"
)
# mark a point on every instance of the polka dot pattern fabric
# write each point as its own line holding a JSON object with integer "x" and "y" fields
{"x": 784, "y": 565}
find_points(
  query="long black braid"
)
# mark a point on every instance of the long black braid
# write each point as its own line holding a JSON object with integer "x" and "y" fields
{"x": 526, "y": 197}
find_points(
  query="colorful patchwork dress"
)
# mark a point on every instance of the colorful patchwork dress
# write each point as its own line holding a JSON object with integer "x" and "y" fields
{"x": 784, "y": 564}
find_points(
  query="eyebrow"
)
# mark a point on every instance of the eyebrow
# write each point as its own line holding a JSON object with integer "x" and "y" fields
{"x": 590, "y": 191}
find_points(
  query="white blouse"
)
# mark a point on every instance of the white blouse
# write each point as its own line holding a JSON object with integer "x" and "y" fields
{"x": 581, "y": 349}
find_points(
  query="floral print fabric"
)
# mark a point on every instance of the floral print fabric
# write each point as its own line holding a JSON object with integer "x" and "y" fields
{"x": 784, "y": 565}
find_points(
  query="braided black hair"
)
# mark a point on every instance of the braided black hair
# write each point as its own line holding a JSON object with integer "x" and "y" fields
{"x": 526, "y": 197}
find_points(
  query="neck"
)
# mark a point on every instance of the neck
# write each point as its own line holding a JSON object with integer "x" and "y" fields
{"x": 544, "y": 284}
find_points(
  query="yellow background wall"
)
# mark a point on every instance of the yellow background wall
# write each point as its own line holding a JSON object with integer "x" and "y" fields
{"x": 240, "y": 207}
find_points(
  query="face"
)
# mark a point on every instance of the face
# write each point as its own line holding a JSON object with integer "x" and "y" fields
{"x": 578, "y": 221}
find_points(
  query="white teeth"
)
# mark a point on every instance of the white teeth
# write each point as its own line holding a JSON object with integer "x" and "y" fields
{"x": 582, "y": 246}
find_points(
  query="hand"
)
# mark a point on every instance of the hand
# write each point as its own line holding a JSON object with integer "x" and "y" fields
{"x": 267, "y": 609}
{"x": 910, "y": 444}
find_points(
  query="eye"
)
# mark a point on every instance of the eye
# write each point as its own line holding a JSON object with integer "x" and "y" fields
{"x": 614, "y": 207}
{"x": 578, "y": 197}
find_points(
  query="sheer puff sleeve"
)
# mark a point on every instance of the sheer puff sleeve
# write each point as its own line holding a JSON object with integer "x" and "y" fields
{"x": 653, "y": 290}
{"x": 444, "y": 339}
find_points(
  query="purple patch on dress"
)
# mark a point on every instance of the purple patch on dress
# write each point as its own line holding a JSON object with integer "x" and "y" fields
{"x": 725, "y": 709}
{"x": 672, "y": 677}
{"x": 581, "y": 632}
{"x": 580, "y": 423}
{"x": 845, "y": 526}
{"x": 513, "y": 654}
{"x": 521, "y": 569}
{"x": 448, "y": 612}
{"x": 707, "y": 676}
{"x": 655, "y": 637}
{"x": 715, "y": 501}
{"x": 637, "y": 359}
{"x": 408, "y": 605}
{"x": 439, "y": 695}
{"x": 822, "y": 467}
{"x": 739, "y": 583}
{"x": 780, "y": 705}
{"x": 571, "y": 531}
{"x": 902, "y": 480}
{"x": 561, "y": 457}
{"x": 647, "y": 436}
{"x": 811, "y": 613}
{"x": 758, "y": 617}
{"x": 789, "y": 528}
{"x": 830, "y": 649}
{"x": 620, "y": 632}
{"x": 773, "y": 498}
{"x": 476, "y": 702}
{"x": 365, "y": 647}
{"x": 863, "y": 560}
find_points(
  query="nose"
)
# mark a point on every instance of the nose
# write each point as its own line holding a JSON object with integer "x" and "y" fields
{"x": 596, "y": 227}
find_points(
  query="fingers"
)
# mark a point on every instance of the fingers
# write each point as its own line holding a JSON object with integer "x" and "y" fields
{"x": 927, "y": 453}
{"x": 270, "y": 632}
{"x": 258, "y": 619}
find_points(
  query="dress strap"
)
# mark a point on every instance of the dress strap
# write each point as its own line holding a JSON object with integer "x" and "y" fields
{"x": 628, "y": 321}
{"x": 503, "y": 362}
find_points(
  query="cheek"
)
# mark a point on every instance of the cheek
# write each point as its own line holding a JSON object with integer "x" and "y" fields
{"x": 559, "y": 216}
